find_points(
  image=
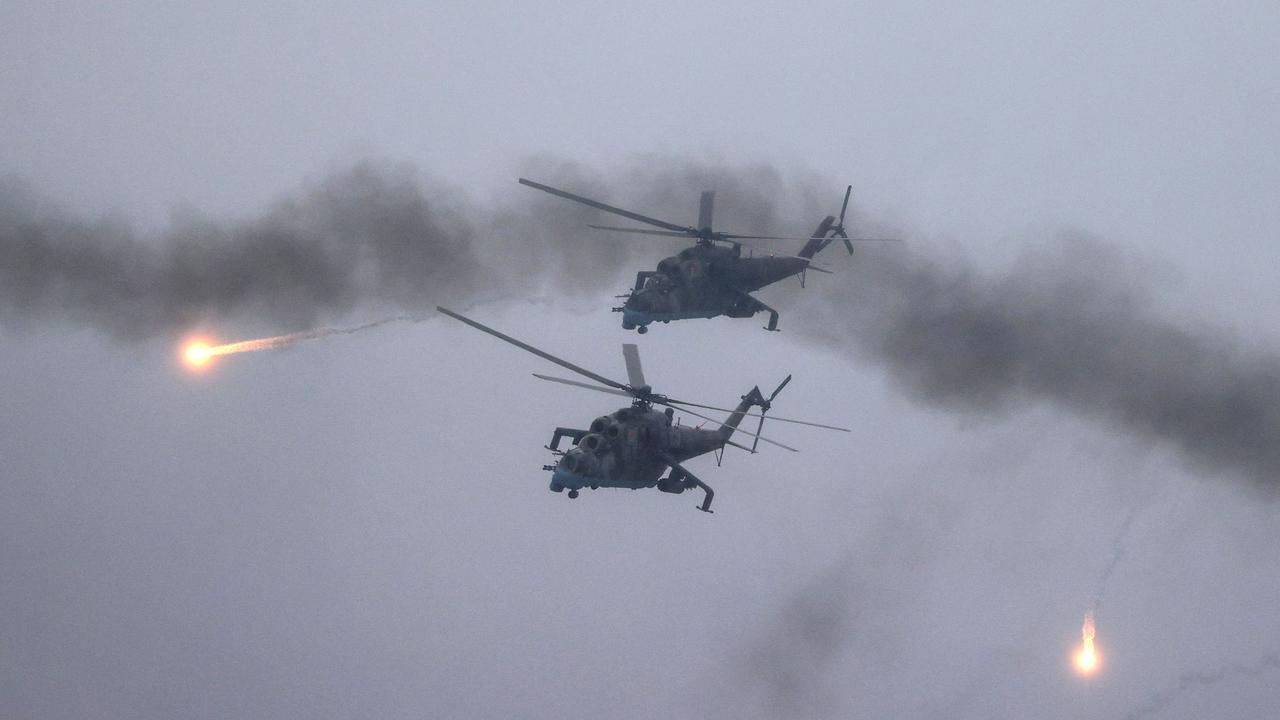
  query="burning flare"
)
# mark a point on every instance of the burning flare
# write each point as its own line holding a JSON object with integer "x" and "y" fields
{"x": 1087, "y": 658}
{"x": 198, "y": 353}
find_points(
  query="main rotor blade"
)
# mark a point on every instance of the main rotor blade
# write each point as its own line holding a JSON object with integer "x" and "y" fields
{"x": 682, "y": 403}
{"x": 705, "y": 205}
{"x": 722, "y": 422}
{"x": 751, "y": 414}
{"x": 731, "y": 237}
{"x": 583, "y": 385}
{"x": 635, "y": 374}
{"x": 642, "y": 231}
{"x": 540, "y": 353}
{"x": 845, "y": 206}
{"x": 601, "y": 206}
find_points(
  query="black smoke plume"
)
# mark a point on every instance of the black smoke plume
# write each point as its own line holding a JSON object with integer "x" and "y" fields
{"x": 1072, "y": 324}
{"x": 367, "y": 234}
{"x": 1069, "y": 325}
{"x": 373, "y": 234}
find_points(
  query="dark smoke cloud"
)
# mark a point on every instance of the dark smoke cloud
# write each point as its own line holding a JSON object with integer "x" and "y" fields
{"x": 369, "y": 234}
{"x": 1071, "y": 324}
{"x": 1196, "y": 680}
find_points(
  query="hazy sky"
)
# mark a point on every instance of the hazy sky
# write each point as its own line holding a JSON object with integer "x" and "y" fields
{"x": 358, "y": 527}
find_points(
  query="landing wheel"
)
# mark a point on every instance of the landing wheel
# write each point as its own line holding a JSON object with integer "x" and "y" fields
{"x": 642, "y": 329}
{"x": 573, "y": 494}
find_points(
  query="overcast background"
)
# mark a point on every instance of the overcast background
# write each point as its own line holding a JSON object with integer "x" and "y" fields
{"x": 358, "y": 527}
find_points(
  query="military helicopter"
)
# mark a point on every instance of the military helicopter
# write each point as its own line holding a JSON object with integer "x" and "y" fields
{"x": 634, "y": 446}
{"x": 711, "y": 278}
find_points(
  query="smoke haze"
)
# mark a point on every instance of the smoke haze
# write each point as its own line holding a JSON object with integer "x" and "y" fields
{"x": 1072, "y": 323}
{"x": 367, "y": 234}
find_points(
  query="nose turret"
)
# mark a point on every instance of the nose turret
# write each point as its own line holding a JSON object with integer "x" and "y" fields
{"x": 642, "y": 300}
{"x": 583, "y": 459}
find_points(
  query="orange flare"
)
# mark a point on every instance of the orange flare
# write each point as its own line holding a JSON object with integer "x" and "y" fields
{"x": 197, "y": 354}
{"x": 1086, "y": 659}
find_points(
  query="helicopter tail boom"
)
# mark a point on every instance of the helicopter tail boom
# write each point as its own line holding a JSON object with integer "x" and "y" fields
{"x": 750, "y": 400}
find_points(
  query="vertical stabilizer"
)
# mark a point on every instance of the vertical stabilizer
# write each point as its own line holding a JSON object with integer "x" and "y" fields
{"x": 750, "y": 400}
{"x": 819, "y": 240}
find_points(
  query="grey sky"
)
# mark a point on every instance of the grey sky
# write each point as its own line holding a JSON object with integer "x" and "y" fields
{"x": 357, "y": 527}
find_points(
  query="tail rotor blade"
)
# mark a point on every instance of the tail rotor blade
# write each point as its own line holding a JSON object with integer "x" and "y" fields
{"x": 764, "y": 408}
{"x": 845, "y": 205}
{"x": 779, "y": 388}
{"x": 759, "y": 427}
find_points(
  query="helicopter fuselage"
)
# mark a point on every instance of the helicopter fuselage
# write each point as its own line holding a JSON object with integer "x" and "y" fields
{"x": 631, "y": 448}
{"x": 705, "y": 281}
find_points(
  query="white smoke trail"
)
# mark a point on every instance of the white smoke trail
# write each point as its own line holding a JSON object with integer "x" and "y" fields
{"x": 283, "y": 341}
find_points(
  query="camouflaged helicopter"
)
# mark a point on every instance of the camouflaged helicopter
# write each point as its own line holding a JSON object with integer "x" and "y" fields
{"x": 711, "y": 278}
{"x": 634, "y": 446}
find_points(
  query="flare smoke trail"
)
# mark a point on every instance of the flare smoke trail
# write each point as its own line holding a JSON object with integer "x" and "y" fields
{"x": 1086, "y": 660}
{"x": 1191, "y": 681}
{"x": 199, "y": 353}
{"x": 1118, "y": 550}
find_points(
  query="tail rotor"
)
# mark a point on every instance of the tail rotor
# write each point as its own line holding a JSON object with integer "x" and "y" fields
{"x": 837, "y": 230}
{"x": 764, "y": 408}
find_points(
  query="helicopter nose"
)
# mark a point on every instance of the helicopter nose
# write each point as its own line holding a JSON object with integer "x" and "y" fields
{"x": 578, "y": 461}
{"x": 574, "y": 471}
{"x": 640, "y": 300}
{"x": 570, "y": 461}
